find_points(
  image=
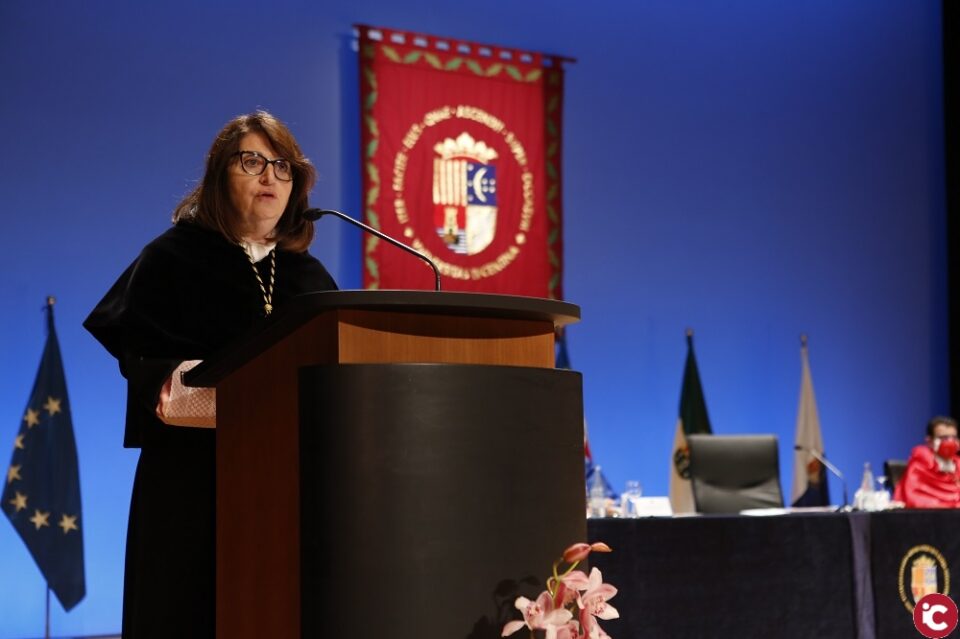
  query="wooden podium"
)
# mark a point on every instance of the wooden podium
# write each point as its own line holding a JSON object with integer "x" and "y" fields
{"x": 393, "y": 463}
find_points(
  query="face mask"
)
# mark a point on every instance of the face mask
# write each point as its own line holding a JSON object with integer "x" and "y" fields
{"x": 947, "y": 447}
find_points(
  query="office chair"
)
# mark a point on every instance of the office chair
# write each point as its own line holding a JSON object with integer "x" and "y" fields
{"x": 730, "y": 473}
{"x": 893, "y": 471}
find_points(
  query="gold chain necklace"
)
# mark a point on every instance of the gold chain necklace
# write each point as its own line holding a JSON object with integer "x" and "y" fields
{"x": 267, "y": 291}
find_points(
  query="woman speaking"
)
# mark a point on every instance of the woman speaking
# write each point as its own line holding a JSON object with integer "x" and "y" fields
{"x": 237, "y": 251}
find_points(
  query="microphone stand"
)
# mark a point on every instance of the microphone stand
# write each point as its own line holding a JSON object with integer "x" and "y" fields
{"x": 315, "y": 214}
{"x": 823, "y": 460}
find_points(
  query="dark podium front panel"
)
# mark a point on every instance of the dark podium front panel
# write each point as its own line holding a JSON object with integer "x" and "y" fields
{"x": 433, "y": 494}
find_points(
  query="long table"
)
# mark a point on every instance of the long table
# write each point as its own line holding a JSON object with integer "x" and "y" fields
{"x": 844, "y": 575}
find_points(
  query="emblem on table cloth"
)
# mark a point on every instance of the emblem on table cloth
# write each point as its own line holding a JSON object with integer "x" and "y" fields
{"x": 923, "y": 577}
{"x": 923, "y": 571}
{"x": 465, "y": 194}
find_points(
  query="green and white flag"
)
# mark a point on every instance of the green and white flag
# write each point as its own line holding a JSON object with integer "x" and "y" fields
{"x": 692, "y": 419}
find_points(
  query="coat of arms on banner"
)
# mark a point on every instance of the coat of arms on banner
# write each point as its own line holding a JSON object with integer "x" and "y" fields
{"x": 462, "y": 154}
{"x": 465, "y": 194}
{"x": 923, "y": 571}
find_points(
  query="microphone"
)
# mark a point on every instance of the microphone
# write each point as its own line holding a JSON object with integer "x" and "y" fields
{"x": 833, "y": 469}
{"x": 315, "y": 214}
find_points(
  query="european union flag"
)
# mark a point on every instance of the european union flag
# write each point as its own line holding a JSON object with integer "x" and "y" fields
{"x": 589, "y": 468}
{"x": 41, "y": 496}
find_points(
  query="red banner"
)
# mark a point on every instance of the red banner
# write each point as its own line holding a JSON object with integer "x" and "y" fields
{"x": 462, "y": 156}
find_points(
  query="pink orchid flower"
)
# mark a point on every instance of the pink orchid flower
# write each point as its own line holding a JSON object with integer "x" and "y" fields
{"x": 573, "y": 582}
{"x": 593, "y": 605}
{"x": 570, "y": 630}
{"x": 538, "y": 615}
{"x": 566, "y": 592}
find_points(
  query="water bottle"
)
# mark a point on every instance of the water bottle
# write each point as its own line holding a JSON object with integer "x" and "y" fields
{"x": 598, "y": 495}
{"x": 863, "y": 499}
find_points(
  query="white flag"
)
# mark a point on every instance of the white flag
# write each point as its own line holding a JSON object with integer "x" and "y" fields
{"x": 807, "y": 436}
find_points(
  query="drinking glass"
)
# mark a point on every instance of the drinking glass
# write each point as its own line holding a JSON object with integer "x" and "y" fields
{"x": 629, "y": 501}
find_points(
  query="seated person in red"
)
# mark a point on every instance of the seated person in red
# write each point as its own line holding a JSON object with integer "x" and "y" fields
{"x": 932, "y": 477}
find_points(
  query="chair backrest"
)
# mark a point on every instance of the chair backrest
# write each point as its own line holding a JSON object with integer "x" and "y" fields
{"x": 730, "y": 473}
{"x": 893, "y": 471}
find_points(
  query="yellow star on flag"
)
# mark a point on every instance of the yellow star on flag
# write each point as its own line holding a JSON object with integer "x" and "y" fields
{"x": 18, "y": 442}
{"x": 68, "y": 523}
{"x": 32, "y": 417}
{"x": 13, "y": 473}
{"x": 52, "y": 405}
{"x": 19, "y": 501}
{"x": 39, "y": 519}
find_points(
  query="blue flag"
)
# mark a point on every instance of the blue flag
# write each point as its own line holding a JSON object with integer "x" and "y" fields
{"x": 41, "y": 495}
{"x": 589, "y": 468}
{"x": 563, "y": 357}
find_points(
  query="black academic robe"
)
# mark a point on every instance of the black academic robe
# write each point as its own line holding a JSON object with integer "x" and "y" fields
{"x": 189, "y": 294}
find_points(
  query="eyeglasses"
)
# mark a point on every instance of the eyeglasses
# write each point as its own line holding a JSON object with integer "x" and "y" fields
{"x": 253, "y": 163}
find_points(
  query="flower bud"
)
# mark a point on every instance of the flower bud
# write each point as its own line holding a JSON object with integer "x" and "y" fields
{"x": 576, "y": 552}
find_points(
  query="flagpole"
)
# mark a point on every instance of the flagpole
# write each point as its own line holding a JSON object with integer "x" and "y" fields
{"x": 51, "y": 300}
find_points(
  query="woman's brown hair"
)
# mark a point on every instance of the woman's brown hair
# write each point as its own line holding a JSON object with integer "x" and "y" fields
{"x": 209, "y": 204}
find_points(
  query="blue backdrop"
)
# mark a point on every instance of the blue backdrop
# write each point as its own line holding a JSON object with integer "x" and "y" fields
{"x": 751, "y": 169}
